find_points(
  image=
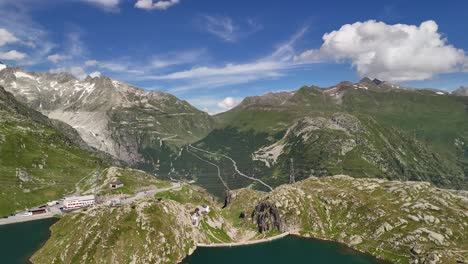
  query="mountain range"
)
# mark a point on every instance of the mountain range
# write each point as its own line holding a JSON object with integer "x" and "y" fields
{"x": 367, "y": 129}
{"x": 127, "y": 122}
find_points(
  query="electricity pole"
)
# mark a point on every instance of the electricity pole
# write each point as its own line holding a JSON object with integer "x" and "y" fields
{"x": 292, "y": 178}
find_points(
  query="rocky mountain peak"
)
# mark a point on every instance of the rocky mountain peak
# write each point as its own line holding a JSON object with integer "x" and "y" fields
{"x": 462, "y": 91}
{"x": 64, "y": 77}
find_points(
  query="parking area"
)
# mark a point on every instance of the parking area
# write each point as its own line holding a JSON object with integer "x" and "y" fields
{"x": 25, "y": 216}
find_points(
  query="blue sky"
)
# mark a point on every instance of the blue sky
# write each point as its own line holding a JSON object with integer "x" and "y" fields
{"x": 214, "y": 53}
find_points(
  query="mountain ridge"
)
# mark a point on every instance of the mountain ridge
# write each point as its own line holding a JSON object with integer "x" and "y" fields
{"x": 105, "y": 113}
{"x": 40, "y": 160}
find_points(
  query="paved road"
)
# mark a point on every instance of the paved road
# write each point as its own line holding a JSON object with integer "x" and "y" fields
{"x": 55, "y": 210}
{"x": 211, "y": 163}
{"x": 20, "y": 217}
{"x": 150, "y": 193}
{"x": 234, "y": 163}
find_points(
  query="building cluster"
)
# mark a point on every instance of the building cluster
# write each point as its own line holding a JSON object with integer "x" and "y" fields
{"x": 76, "y": 202}
{"x": 198, "y": 213}
{"x": 36, "y": 211}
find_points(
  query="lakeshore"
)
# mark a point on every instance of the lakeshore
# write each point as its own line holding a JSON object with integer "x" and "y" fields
{"x": 244, "y": 243}
{"x": 287, "y": 249}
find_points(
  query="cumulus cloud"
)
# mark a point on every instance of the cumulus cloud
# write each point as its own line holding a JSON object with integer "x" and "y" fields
{"x": 6, "y": 37}
{"x": 229, "y": 103}
{"x": 12, "y": 55}
{"x": 397, "y": 52}
{"x": 29, "y": 37}
{"x": 55, "y": 58}
{"x": 159, "y": 5}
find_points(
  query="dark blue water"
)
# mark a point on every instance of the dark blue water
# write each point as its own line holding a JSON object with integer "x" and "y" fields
{"x": 19, "y": 241}
{"x": 289, "y": 250}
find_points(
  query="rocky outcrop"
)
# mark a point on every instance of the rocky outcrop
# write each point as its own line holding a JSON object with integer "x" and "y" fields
{"x": 396, "y": 221}
{"x": 267, "y": 218}
{"x": 373, "y": 216}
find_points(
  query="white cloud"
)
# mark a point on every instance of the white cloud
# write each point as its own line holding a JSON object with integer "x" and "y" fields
{"x": 390, "y": 52}
{"x": 32, "y": 37}
{"x": 213, "y": 105}
{"x": 227, "y": 70}
{"x": 108, "y": 5}
{"x": 77, "y": 71}
{"x": 224, "y": 27}
{"x": 55, "y": 58}
{"x": 270, "y": 67}
{"x": 159, "y": 5}
{"x": 221, "y": 26}
{"x": 228, "y": 103}
{"x": 12, "y": 55}
{"x": 6, "y": 37}
{"x": 176, "y": 58}
{"x": 95, "y": 74}
{"x": 91, "y": 63}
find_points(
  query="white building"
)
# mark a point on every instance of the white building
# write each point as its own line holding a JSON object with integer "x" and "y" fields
{"x": 79, "y": 201}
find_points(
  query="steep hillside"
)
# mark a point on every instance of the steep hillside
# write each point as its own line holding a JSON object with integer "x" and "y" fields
{"x": 401, "y": 222}
{"x": 139, "y": 127}
{"x": 37, "y": 162}
{"x": 365, "y": 129}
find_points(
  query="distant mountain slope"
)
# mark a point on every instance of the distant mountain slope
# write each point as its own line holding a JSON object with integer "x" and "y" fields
{"x": 462, "y": 91}
{"x": 37, "y": 162}
{"x": 366, "y": 129}
{"x": 142, "y": 128}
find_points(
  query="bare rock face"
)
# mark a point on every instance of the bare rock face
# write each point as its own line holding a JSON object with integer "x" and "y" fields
{"x": 462, "y": 91}
{"x": 266, "y": 216}
{"x": 122, "y": 120}
{"x": 230, "y": 197}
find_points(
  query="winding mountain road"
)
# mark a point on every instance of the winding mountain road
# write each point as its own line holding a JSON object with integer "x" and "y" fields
{"x": 211, "y": 163}
{"x": 235, "y": 166}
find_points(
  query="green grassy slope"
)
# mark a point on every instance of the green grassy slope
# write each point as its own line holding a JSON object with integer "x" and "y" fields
{"x": 402, "y": 222}
{"x": 37, "y": 163}
{"x": 416, "y": 134}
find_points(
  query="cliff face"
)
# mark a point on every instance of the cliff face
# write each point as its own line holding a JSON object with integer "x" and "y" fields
{"x": 398, "y": 221}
